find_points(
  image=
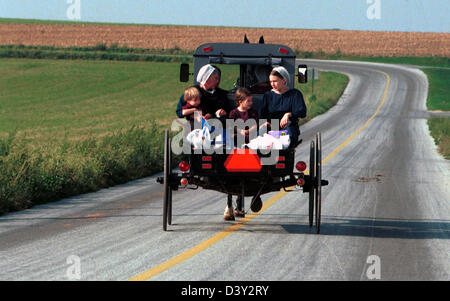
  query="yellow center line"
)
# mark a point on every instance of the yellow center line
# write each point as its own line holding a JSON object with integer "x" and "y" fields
{"x": 207, "y": 243}
{"x": 340, "y": 147}
{"x": 221, "y": 235}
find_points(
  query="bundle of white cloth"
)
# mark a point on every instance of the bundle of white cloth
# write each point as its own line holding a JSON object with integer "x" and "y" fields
{"x": 269, "y": 142}
{"x": 201, "y": 139}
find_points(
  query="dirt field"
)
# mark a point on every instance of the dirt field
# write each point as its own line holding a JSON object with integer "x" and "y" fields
{"x": 186, "y": 37}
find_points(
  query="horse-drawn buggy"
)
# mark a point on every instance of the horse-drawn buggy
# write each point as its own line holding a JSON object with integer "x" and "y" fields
{"x": 242, "y": 171}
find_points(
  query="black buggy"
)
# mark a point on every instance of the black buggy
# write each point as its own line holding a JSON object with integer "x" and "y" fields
{"x": 240, "y": 172}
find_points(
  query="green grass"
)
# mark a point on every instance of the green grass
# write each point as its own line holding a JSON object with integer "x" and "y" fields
{"x": 99, "y": 52}
{"x": 69, "y": 127}
{"x": 44, "y": 98}
{"x": 33, "y": 174}
{"x": 439, "y": 100}
{"x": 327, "y": 91}
{"x": 47, "y": 99}
{"x": 439, "y": 89}
{"x": 440, "y": 131}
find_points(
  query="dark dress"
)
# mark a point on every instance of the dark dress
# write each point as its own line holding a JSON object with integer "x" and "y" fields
{"x": 250, "y": 114}
{"x": 276, "y": 105}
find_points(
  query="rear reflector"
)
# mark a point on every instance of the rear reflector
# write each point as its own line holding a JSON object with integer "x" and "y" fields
{"x": 206, "y": 158}
{"x": 183, "y": 166}
{"x": 301, "y": 166}
{"x": 281, "y": 158}
{"x": 243, "y": 160}
{"x": 280, "y": 166}
{"x": 301, "y": 182}
{"x": 206, "y": 166}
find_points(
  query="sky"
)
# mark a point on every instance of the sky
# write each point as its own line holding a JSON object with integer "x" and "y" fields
{"x": 379, "y": 15}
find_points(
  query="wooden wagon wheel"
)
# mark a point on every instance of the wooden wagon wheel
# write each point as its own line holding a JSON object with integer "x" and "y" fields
{"x": 318, "y": 180}
{"x": 167, "y": 193}
{"x": 169, "y": 203}
{"x": 312, "y": 167}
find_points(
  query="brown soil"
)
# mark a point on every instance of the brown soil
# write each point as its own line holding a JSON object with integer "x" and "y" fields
{"x": 366, "y": 43}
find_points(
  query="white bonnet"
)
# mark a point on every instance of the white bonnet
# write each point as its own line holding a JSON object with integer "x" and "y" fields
{"x": 204, "y": 73}
{"x": 284, "y": 73}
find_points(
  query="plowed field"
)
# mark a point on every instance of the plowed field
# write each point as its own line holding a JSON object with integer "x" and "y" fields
{"x": 363, "y": 43}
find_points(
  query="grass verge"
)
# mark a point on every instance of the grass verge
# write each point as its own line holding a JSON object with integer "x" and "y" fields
{"x": 440, "y": 131}
{"x": 99, "y": 52}
{"x": 323, "y": 94}
{"x": 439, "y": 89}
{"x": 439, "y": 100}
{"x": 34, "y": 174}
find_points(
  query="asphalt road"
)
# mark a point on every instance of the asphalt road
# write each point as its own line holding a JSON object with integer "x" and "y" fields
{"x": 385, "y": 214}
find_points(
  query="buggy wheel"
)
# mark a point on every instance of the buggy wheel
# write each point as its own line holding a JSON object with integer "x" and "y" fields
{"x": 318, "y": 180}
{"x": 167, "y": 193}
{"x": 169, "y": 203}
{"x": 312, "y": 155}
{"x": 256, "y": 204}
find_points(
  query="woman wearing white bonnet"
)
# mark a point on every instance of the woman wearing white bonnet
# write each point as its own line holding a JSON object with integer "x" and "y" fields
{"x": 204, "y": 73}
{"x": 284, "y": 73}
{"x": 284, "y": 104}
{"x": 214, "y": 98}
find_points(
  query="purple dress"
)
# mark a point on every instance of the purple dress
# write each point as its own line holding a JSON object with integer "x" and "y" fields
{"x": 250, "y": 114}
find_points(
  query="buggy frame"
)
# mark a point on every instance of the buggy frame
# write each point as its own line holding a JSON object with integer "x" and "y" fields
{"x": 216, "y": 172}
